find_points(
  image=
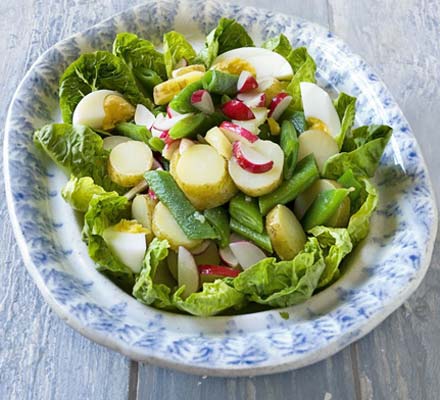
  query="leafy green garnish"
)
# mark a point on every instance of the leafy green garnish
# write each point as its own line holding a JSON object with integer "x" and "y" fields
{"x": 79, "y": 191}
{"x": 176, "y": 48}
{"x": 346, "y": 108}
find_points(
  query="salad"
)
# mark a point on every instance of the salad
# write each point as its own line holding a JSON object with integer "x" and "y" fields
{"x": 214, "y": 182}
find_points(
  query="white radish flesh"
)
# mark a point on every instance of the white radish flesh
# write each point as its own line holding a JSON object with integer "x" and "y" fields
{"x": 246, "y": 82}
{"x": 253, "y": 98}
{"x": 110, "y": 142}
{"x": 279, "y": 104}
{"x": 318, "y": 143}
{"x": 247, "y": 253}
{"x": 217, "y": 139}
{"x": 143, "y": 116}
{"x": 228, "y": 256}
{"x": 249, "y": 159}
{"x": 165, "y": 124}
{"x": 142, "y": 209}
{"x": 187, "y": 272}
{"x": 184, "y": 145}
{"x": 236, "y": 132}
{"x": 128, "y": 162}
{"x": 201, "y": 248}
{"x": 253, "y": 125}
{"x": 202, "y": 100}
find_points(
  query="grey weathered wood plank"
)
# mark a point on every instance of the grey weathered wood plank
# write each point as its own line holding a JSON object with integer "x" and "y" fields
{"x": 399, "y": 359}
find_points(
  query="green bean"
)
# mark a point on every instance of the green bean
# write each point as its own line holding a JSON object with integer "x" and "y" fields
{"x": 323, "y": 207}
{"x": 306, "y": 172}
{"x": 260, "y": 239}
{"x": 348, "y": 180}
{"x": 245, "y": 210}
{"x": 156, "y": 144}
{"x": 182, "y": 102}
{"x": 290, "y": 145}
{"x": 220, "y": 83}
{"x": 192, "y": 222}
{"x": 218, "y": 218}
{"x": 197, "y": 124}
{"x": 133, "y": 131}
{"x": 147, "y": 79}
{"x": 298, "y": 120}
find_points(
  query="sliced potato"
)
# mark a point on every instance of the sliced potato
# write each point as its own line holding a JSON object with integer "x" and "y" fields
{"x": 189, "y": 68}
{"x": 110, "y": 142}
{"x": 142, "y": 209}
{"x": 165, "y": 227}
{"x": 173, "y": 163}
{"x": 164, "y": 92}
{"x": 254, "y": 184}
{"x": 322, "y": 145}
{"x": 306, "y": 198}
{"x": 217, "y": 139}
{"x": 202, "y": 175}
{"x": 285, "y": 232}
{"x": 128, "y": 162}
{"x": 209, "y": 257}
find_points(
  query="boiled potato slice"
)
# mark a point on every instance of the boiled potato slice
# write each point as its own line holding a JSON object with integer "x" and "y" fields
{"x": 321, "y": 144}
{"x": 189, "y": 68}
{"x": 306, "y": 198}
{"x": 128, "y": 162}
{"x": 217, "y": 139}
{"x": 285, "y": 232}
{"x": 203, "y": 176}
{"x": 142, "y": 209}
{"x": 164, "y": 92}
{"x": 165, "y": 227}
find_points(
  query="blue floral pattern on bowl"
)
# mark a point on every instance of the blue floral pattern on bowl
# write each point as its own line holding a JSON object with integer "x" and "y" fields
{"x": 379, "y": 276}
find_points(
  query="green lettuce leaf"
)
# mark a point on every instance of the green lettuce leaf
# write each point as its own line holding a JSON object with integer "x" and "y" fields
{"x": 105, "y": 210}
{"x": 304, "y": 69}
{"x": 279, "y": 44}
{"x": 176, "y": 47}
{"x": 284, "y": 283}
{"x": 359, "y": 223}
{"x": 346, "y": 108}
{"x": 145, "y": 289}
{"x": 144, "y": 61}
{"x": 93, "y": 71}
{"x": 228, "y": 35}
{"x": 78, "y": 150}
{"x": 79, "y": 191}
{"x": 336, "y": 244}
{"x": 362, "y": 151}
{"x": 215, "y": 297}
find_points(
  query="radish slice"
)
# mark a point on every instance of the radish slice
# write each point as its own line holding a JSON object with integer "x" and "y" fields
{"x": 247, "y": 253}
{"x": 128, "y": 162}
{"x": 139, "y": 188}
{"x": 110, "y": 142}
{"x": 217, "y": 271}
{"x": 253, "y": 98}
{"x": 202, "y": 100}
{"x": 172, "y": 113}
{"x": 228, "y": 256}
{"x": 235, "y": 132}
{"x": 156, "y": 132}
{"x": 184, "y": 145}
{"x": 201, "y": 248}
{"x": 187, "y": 272}
{"x": 253, "y": 124}
{"x": 246, "y": 82}
{"x": 181, "y": 63}
{"x": 251, "y": 160}
{"x": 170, "y": 148}
{"x": 151, "y": 194}
{"x": 235, "y": 109}
{"x": 143, "y": 116}
{"x": 279, "y": 104}
{"x": 166, "y": 124}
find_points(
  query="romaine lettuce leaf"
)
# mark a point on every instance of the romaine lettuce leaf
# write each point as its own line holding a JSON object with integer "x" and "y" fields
{"x": 175, "y": 48}
{"x": 228, "y": 35}
{"x": 79, "y": 191}
{"x": 145, "y": 62}
{"x": 93, "y": 71}
{"x": 362, "y": 151}
{"x": 78, "y": 150}
{"x": 346, "y": 108}
{"x": 215, "y": 297}
{"x": 145, "y": 289}
{"x": 336, "y": 244}
{"x": 279, "y": 44}
{"x": 105, "y": 210}
{"x": 359, "y": 223}
{"x": 284, "y": 283}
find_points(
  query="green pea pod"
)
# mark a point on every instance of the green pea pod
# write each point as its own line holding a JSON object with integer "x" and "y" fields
{"x": 245, "y": 210}
{"x": 147, "y": 79}
{"x": 220, "y": 83}
{"x": 290, "y": 146}
{"x": 182, "y": 101}
{"x": 197, "y": 124}
{"x": 323, "y": 207}
{"x": 306, "y": 172}
{"x": 218, "y": 218}
{"x": 260, "y": 239}
{"x": 298, "y": 120}
{"x": 133, "y": 131}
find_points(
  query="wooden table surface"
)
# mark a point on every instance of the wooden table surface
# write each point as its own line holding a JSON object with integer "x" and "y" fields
{"x": 42, "y": 358}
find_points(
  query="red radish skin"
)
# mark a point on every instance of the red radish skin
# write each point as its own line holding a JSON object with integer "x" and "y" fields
{"x": 143, "y": 116}
{"x": 218, "y": 270}
{"x": 202, "y": 100}
{"x": 246, "y": 82}
{"x": 250, "y": 160}
{"x": 165, "y": 136}
{"x": 235, "y": 109}
{"x": 253, "y": 99}
{"x": 227, "y": 256}
{"x": 235, "y": 132}
{"x": 279, "y": 104}
{"x": 152, "y": 194}
{"x": 172, "y": 113}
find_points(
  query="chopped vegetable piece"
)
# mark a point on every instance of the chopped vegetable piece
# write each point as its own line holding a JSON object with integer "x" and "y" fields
{"x": 218, "y": 218}
{"x": 220, "y": 83}
{"x": 197, "y": 124}
{"x": 290, "y": 145}
{"x": 260, "y": 239}
{"x": 245, "y": 210}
